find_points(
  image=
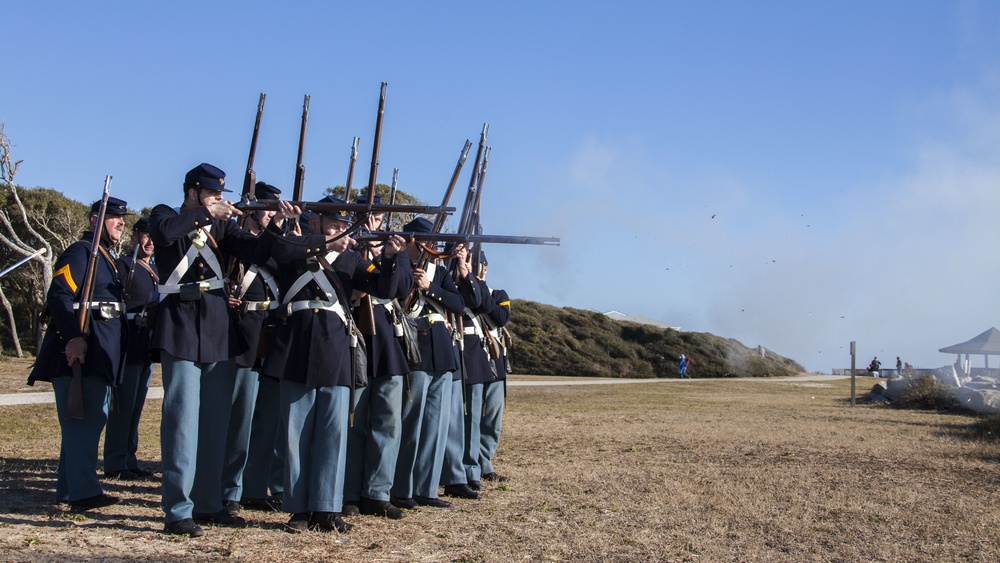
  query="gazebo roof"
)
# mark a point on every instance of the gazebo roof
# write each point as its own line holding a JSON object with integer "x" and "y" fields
{"x": 986, "y": 343}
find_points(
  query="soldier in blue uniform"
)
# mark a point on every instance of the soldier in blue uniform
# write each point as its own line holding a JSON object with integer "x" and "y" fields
{"x": 197, "y": 337}
{"x": 311, "y": 351}
{"x": 99, "y": 355}
{"x": 426, "y": 412}
{"x": 253, "y": 294}
{"x": 373, "y": 440}
{"x": 494, "y": 390}
{"x": 139, "y": 278}
{"x": 460, "y": 475}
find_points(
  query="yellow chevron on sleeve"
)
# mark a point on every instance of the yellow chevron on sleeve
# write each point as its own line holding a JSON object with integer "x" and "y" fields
{"x": 504, "y": 303}
{"x": 66, "y": 273}
{"x": 371, "y": 268}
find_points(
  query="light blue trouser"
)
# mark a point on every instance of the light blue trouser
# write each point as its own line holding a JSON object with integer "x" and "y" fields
{"x": 491, "y": 425}
{"x": 265, "y": 467}
{"x": 316, "y": 422}
{"x": 238, "y": 435}
{"x": 76, "y": 477}
{"x": 373, "y": 441}
{"x": 433, "y": 435}
{"x": 197, "y": 398}
{"x": 472, "y": 438}
{"x": 453, "y": 470}
{"x": 121, "y": 439}
{"x": 425, "y": 424}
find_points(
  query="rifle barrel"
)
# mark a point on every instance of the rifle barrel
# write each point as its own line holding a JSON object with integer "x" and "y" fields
{"x": 460, "y": 238}
{"x": 272, "y": 205}
{"x": 250, "y": 179}
{"x": 373, "y": 173}
{"x": 300, "y": 169}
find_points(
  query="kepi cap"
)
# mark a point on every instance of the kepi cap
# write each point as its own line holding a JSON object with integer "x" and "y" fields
{"x": 206, "y": 177}
{"x": 418, "y": 225}
{"x": 264, "y": 190}
{"x": 116, "y": 207}
{"x": 336, "y": 215}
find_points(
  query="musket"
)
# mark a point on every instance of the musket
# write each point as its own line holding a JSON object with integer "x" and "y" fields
{"x": 350, "y": 169}
{"x": 464, "y": 229}
{"x": 38, "y": 252}
{"x": 464, "y": 225}
{"x": 476, "y": 227}
{"x": 366, "y": 309}
{"x": 74, "y": 404}
{"x": 360, "y": 208}
{"x": 439, "y": 220}
{"x": 392, "y": 197}
{"x": 373, "y": 172}
{"x": 441, "y": 217}
{"x": 459, "y": 238}
{"x": 235, "y": 277}
{"x": 250, "y": 178}
{"x": 300, "y": 169}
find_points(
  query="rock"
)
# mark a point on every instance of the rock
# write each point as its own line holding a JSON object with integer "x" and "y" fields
{"x": 878, "y": 389}
{"x": 878, "y": 398}
{"x": 895, "y": 387}
{"x": 979, "y": 400}
{"x": 947, "y": 376}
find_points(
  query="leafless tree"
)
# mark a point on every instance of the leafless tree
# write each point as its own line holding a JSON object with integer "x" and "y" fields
{"x": 20, "y": 236}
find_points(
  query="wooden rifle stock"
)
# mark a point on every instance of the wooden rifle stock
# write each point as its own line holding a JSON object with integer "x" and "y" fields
{"x": 300, "y": 169}
{"x": 74, "y": 403}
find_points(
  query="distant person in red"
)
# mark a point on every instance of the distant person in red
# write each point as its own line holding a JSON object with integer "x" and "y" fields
{"x": 682, "y": 367}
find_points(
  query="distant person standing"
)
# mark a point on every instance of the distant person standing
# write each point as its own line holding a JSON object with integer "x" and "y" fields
{"x": 875, "y": 366}
{"x": 899, "y": 366}
{"x": 682, "y": 367}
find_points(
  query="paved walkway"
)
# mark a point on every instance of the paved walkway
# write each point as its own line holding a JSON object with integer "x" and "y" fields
{"x": 157, "y": 392}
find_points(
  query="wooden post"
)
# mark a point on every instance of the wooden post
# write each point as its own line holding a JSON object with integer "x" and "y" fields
{"x": 853, "y": 357}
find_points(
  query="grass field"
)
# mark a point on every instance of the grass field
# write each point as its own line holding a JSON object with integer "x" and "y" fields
{"x": 699, "y": 470}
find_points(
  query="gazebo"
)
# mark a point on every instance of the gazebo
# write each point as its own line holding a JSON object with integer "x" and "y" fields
{"x": 987, "y": 344}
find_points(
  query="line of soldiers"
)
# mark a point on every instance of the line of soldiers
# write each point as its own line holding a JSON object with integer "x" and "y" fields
{"x": 273, "y": 399}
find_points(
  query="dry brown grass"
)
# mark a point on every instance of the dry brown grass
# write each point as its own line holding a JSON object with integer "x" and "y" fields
{"x": 702, "y": 470}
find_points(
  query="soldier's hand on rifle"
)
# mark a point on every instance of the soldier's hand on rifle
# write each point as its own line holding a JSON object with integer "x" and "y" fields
{"x": 393, "y": 245}
{"x": 374, "y": 222}
{"x": 234, "y": 302}
{"x": 339, "y": 244}
{"x": 460, "y": 254}
{"x": 420, "y": 279}
{"x": 222, "y": 210}
{"x": 76, "y": 350}
{"x": 286, "y": 210}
